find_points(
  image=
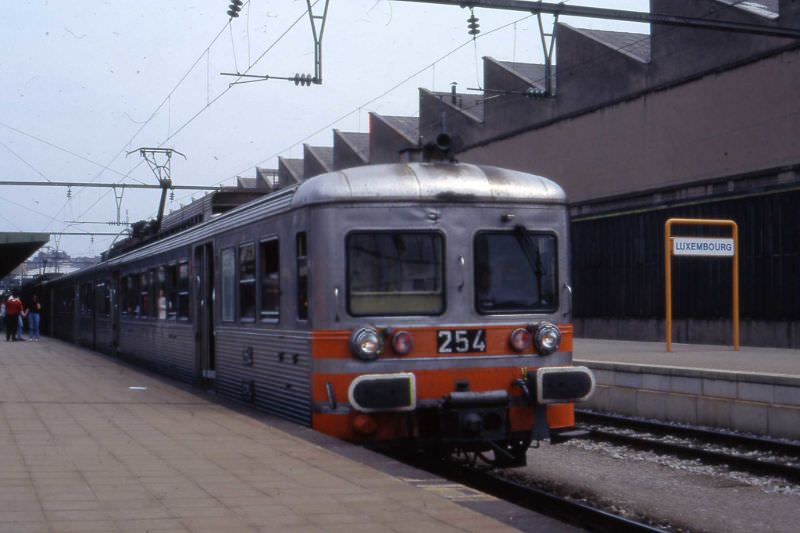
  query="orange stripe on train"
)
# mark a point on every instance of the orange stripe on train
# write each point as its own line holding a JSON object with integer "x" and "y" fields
{"x": 334, "y": 344}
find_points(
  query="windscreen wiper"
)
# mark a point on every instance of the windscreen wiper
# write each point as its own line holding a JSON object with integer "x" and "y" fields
{"x": 532, "y": 254}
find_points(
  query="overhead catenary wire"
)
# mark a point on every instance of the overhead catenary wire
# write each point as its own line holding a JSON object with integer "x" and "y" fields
{"x": 372, "y": 100}
{"x": 15, "y": 154}
{"x": 319, "y": 130}
{"x": 612, "y": 51}
{"x": 166, "y": 99}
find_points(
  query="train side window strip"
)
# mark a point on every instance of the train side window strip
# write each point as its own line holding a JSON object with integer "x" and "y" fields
{"x": 143, "y": 305}
{"x": 302, "y": 276}
{"x": 247, "y": 282}
{"x": 270, "y": 280}
{"x": 228, "y": 273}
{"x": 161, "y": 293}
{"x": 183, "y": 290}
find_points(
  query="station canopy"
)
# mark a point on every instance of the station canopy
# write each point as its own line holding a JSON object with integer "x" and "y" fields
{"x": 16, "y": 247}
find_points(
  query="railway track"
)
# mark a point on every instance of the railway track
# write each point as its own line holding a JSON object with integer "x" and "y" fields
{"x": 756, "y": 455}
{"x": 533, "y": 498}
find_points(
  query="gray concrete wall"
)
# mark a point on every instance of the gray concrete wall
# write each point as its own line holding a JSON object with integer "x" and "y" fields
{"x": 727, "y": 123}
{"x": 761, "y": 404}
{"x": 344, "y": 155}
{"x": 385, "y": 142}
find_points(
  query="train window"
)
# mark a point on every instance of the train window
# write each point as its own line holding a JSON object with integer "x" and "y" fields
{"x": 183, "y": 290}
{"x": 247, "y": 282}
{"x": 85, "y": 297}
{"x": 102, "y": 298}
{"x": 152, "y": 275}
{"x": 395, "y": 273}
{"x": 125, "y": 287}
{"x": 143, "y": 309}
{"x": 172, "y": 291}
{"x": 270, "y": 280}
{"x": 229, "y": 285}
{"x": 66, "y": 298}
{"x": 515, "y": 272}
{"x": 161, "y": 293}
{"x": 302, "y": 276}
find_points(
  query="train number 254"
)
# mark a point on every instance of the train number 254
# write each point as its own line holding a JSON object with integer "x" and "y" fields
{"x": 460, "y": 340}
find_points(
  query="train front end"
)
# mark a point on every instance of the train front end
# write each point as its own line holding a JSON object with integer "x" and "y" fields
{"x": 443, "y": 312}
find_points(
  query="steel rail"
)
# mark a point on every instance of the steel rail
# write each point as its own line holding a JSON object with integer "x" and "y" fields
{"x": 719, "y": 436}
{"x": 533, "y": 498}
{"x": 688, "y": 451}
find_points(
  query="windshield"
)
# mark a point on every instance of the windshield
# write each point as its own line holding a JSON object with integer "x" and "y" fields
{"x": 395, "y": 273}
{"x": 515, "y": 272}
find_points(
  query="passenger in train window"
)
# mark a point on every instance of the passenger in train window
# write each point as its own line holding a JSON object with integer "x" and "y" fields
{"x": 162, "y": 305}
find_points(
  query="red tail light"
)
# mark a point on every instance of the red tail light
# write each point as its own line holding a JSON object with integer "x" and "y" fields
{"x": 402, "y": 343}
{"x": 520, "y": 339}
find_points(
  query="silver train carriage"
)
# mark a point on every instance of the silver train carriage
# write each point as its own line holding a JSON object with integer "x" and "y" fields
{"x": 424, "y": 303}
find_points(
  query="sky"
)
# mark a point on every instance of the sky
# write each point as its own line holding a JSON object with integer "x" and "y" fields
{"x": 83, "y": 82}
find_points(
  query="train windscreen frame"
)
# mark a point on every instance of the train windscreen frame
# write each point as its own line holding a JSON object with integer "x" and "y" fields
{"x": 516, "y": 272}
{"x": 395, "y": 273}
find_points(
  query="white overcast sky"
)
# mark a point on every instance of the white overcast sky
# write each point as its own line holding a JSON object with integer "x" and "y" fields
{"x": 85, "y": 76}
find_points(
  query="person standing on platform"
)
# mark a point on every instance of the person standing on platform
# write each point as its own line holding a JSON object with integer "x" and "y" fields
{"x": 23, "y": 312}
{"x": 13, "y": 310}
{"x": 34, "y": 319}
{"x": 3, "y": 311}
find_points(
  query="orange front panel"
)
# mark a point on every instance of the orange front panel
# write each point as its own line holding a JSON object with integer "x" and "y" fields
{"x": 334, "y": 344}
{"x": 430, "y": 384}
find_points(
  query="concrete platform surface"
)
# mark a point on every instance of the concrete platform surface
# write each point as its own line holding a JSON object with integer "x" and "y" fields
{"x": 89, "y": 444}
{"x": 748, "y": 359}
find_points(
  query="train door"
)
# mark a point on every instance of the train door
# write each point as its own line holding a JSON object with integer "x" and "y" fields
{"x": 116, "y": 298}
{"x": 205, "y": 364}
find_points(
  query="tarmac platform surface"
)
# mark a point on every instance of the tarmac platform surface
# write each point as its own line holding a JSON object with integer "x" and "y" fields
{"x": 91, "y": 444}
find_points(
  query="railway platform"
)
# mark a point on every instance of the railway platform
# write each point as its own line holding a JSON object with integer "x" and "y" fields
{"x": 754, "y": 390}
{"x": 88, "y": 443}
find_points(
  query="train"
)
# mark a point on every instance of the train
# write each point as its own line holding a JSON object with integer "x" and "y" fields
{"x": 424, "y": 305}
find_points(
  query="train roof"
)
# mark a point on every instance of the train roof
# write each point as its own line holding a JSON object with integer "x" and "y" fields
{"x": 401, "y": 182}
{"x": 428, "y": 182}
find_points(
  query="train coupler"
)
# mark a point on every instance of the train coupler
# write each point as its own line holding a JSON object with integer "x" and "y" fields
{"x": 467, "y": 416}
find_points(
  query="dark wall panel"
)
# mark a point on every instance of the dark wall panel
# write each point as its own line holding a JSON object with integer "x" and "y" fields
{"x": 618, "y": 262}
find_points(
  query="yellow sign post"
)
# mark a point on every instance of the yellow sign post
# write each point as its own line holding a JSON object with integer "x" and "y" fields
{"x": 701, "y": 247}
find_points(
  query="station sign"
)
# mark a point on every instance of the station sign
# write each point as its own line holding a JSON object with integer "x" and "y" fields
{"x": 706, "y": 247}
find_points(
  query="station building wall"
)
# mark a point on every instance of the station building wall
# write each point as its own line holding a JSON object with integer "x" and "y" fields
{"x": 720, "y": 146}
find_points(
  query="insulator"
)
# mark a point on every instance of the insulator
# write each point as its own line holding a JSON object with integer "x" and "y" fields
{"x": 297, "y": 79}
{"x": 172, "y": 195}
{"x": 234, "y": 8}
{"x": 535, "y": 92}
{"x": 472, "y": 24}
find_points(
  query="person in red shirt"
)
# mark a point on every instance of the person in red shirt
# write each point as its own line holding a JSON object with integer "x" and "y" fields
{"x": 13, "y": 309}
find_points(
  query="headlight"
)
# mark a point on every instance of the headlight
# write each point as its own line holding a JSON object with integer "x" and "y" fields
{"x": 366, "y": 344}
{"x": 520, "y": 339}
{"x": 547, "y": 338}
{"x": 402, "y": 343}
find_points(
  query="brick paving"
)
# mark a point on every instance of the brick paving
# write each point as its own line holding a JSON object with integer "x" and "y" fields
{"x": 82, "y": 451}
